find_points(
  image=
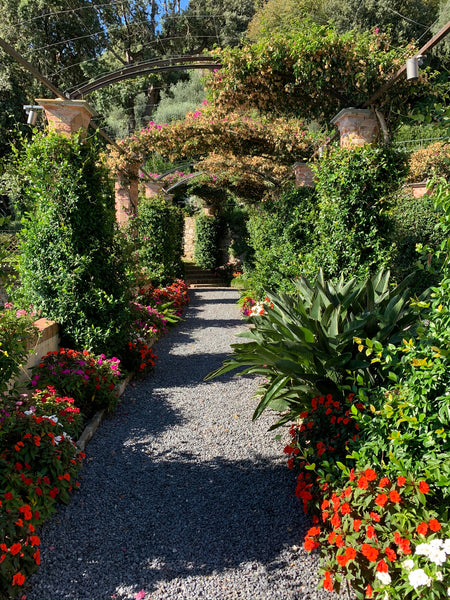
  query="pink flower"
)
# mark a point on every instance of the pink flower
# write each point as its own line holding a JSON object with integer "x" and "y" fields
{"x": 140, "y": 595}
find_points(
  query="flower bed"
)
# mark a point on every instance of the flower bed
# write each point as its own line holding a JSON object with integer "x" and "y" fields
{"x": 39, "y": 458}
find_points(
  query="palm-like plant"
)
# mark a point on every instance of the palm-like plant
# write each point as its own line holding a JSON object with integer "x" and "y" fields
{"x": 306, "y": 344}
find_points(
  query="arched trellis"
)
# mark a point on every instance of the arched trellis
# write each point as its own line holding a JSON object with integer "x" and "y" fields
{"x": 145, "y": 68}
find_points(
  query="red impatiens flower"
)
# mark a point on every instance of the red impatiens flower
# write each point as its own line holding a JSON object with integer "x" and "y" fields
{"x": 370, "y": 532}
{"x": 363, "y": 484}
{"x": 335, "y": 520}
{"x": 345, "y": 508}
{"x": 424, "y": 487}
{"x": 394, "y": 496}
{"x": 381, "y": 499}
{"x": 390, "y": 554}
{"x": 356, "y": 524}
{"x": 370, "y": 474}
{"x": 375, "y": 517}
{"x": 369, "y": 591}
{"x": 18, "y": 579}
{"x": 422, "y": 528}
{"x": 382, "y": 566}
{"x": 15, "y": 549}
{"x": 401, "y": 481}
{"x": 369, "y": 552}
{"x": 328, "y": 581}
{"x": 384, "y": 481}
{"x": 434, "y": 525}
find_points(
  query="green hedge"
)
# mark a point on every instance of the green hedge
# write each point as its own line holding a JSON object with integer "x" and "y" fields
{"x": 208, "y": 231}
{"x": 159, "y": 228}
{"x": 71, "y": 266}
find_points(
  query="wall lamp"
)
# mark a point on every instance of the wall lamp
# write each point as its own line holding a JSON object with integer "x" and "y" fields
{"x": 412, "y": 67}
{"x": 32, "y": 112}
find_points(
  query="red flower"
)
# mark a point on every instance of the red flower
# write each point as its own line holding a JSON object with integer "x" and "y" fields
{"x": 345, "y": 508}
{"x": 369, "y": 552}
{"x": 394, "y": 496}
{"x": 384, "y": 481}
{"x": 375, "y": 516}
{"x": 369, "y": 591}
{"x": 401, "y": 481}
{"x": 382, "y": 566}
{"x": 350, "y": 553}
{"x": 370, "y": 474}
{"x": 313, "y": 531}
{"x": 356, "y": 524}
{"x": 363, "y": 484}
{"x": 15, "y": 549}
{"x": 335, "y": 520}
{"x": 328, "y": 581}
{"x": 370, "y": 532}
{"x": 339, "y": 541}
{"x": 8, "y": 496}
{"x": 391, "y": 555}
{"x": 424, "y": 487}
{"x": 434, "y": 525}
{"x": 35, "y": 541}
{"x": 422, "y": 528}
{"x": 37, "y": 557}
{"x": 352, "y": 475}
{"x": 310, "y": 544}
{"x": 342, "y": 559}
{"x": 18, "y": 579}
{"x": 381, "y": 499}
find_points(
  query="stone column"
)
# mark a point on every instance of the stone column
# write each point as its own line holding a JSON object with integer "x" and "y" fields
{"x": 152, "y": 189}
{"x": 67, "y": 116}
{"x": 357, "y": 127}
{"x": 126, "y": 189}
{"x": 304, "y": 176}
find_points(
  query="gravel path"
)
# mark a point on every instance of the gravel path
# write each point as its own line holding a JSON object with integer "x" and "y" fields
{"x": 182, "y": 496}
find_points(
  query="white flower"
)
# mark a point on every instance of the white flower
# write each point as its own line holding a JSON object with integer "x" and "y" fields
{"x": 439, "y": 576}
{"x": 385, "y": 578}
{"x": 408, "y": 564}
{"x": 447, "y": 546}
{"x": 448, "y": 592}
{"x": 437, "y": 556}
{"x": 57, "y": 439}
{"x": 53, "y": 418}
{"x": 423, "y": 549}
{"x": 418, "y": 577}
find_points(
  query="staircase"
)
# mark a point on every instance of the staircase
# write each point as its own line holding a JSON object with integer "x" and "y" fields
{"x": 196, "y": 277}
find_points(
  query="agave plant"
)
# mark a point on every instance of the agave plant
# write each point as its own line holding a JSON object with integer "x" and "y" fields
{"x": 308, "y": 343}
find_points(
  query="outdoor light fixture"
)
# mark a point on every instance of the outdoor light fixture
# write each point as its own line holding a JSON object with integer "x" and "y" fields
{"x": 32, "y": 112}
{"x": 412, "y": 67}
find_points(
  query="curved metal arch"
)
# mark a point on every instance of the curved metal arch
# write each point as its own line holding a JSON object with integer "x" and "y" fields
{"x": 144, "y": 68}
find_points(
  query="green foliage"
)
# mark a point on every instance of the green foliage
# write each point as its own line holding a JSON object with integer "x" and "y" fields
{"x": 353, "y": 187}
{"x": 433, "y": 161}
{"x": 280, "y": 233}
{"x": 71, "y": 266}
{"x": 306, "y": 343}
{"x": 208, "y": 231}
{"x": 413, "y": 222}
{"x": 158, "y": 227}
{"x": 16, "y": 331}
{"x": 313, "y": 73}
{"x": 181, "y": 97}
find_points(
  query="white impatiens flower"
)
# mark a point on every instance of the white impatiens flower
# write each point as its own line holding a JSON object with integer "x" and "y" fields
{"x": 385, "y": 578}
{"x": 447, "y": 546}
{"x": 418, "y": 577}
{"x": 408, "y": 564}
{"x": 57, "y": 439}
{"x": 423, "y": 549}
{"x": 437, "y": 556}
{"x": 439, "y": 576}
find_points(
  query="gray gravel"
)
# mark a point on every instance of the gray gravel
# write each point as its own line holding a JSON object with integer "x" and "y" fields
{"x": 183, "y": 496}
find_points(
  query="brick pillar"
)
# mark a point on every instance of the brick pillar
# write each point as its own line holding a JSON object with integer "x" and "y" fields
{"x": 126, "y": 189}
{"x": 67, "y": 116}
{"x": 152, "y": 189}
{"x": 304, "y": 176}
{"x": 357, "y": 127}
